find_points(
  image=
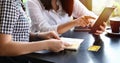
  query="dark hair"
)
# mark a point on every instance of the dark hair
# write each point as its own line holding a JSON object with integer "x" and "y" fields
{"x": 67, "y": 5}
{"x": 23, "y": 5}
{"x": 47, "y": 4}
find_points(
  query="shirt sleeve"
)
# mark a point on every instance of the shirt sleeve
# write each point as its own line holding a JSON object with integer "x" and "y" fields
{"x": 80, "y": 10}
{"x": 39, "y": 21}
{"x": 8, "y": 16}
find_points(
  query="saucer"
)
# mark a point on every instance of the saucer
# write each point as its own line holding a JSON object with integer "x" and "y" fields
{"x": 111, "y": 33}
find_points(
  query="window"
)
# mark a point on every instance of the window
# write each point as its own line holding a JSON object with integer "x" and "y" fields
{"x": 87, "y": 3}
{"x": 24, "y": 1}
{"x": 98, "y": 6}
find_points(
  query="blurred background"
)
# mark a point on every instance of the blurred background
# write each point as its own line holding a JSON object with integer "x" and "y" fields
{"x": 98, "y": 5}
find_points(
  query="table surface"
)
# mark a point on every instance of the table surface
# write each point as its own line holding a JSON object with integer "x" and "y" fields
{"x": 109, "y": 53}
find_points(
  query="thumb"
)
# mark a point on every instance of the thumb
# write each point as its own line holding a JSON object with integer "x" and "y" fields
{"x": 55, "y": 35}
{"x": 67, "y": 44}
{"x": 89, "y": 17}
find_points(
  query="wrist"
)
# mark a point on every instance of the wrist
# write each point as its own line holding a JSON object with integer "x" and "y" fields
{"x": 75, "y": 22}
{"x": 37, "y": 36}
{"x": 47, "y": 45}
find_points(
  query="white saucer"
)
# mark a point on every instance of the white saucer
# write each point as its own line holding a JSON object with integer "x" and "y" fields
{"x": 110, "y": 32}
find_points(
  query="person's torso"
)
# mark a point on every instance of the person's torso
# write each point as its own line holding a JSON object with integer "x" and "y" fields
{"x": 21, "y": 26}
{"x": 56, "y": 17}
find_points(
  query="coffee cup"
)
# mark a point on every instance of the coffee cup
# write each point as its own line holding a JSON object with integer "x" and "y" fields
{"x": 115, "y": 24}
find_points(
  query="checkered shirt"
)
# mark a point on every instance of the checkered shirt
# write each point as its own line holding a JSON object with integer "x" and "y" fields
{"x": 13, "y": 20}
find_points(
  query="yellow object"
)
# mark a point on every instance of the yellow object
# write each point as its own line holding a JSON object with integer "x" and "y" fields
{"x": 94, "y": 48}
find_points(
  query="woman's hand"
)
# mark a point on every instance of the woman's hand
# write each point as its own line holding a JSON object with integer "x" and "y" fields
{"x": 56, "y": 45}
{"x": 84, "y": 21}
{"x": 48, "y": 35}
{"x": 101, "y": 29}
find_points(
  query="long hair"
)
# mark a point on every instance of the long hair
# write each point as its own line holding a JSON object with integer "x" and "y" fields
{"x": 67, "y": 5}
{"x": 23, "y": 5}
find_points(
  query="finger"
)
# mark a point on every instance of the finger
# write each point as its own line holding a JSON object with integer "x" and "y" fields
{"x": 99, "y": 32}
{"x": 104, "y": 24}
{"x": 91, "y": 24}
{"x": 60, "y": 48}
{"x": 85, "y": 20}
{"x": 57, "y": 50}
{"x": 89, "y": 17}
{"x": 66, "y": 44}
{"x": 83, "y": 24}
{"x": 102, "y": 28}
{"x": 88, "y": 21}
{"x": 55, "y": 35}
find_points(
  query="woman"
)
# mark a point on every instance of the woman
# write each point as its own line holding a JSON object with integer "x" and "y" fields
{"x": 15, "y": 34}
{"x": 56, "y": 15}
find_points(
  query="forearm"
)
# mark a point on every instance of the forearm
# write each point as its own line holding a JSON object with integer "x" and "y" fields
{"x": 65, "y": 27}
{"x": 20, "y": 48}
